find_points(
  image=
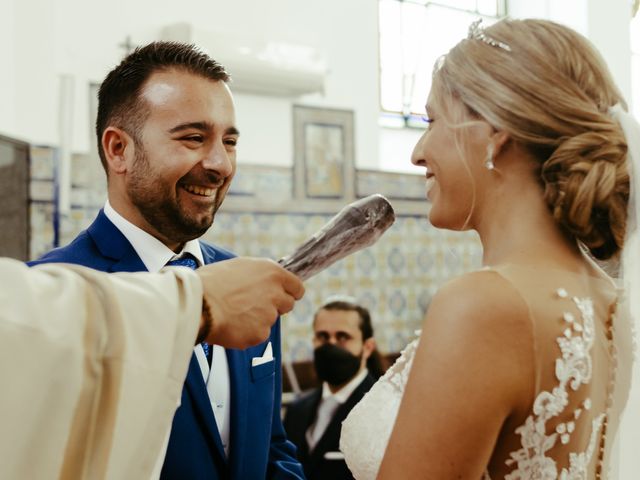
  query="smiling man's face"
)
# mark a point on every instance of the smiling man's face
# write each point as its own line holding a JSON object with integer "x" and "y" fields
{"x": 185, "y": 156}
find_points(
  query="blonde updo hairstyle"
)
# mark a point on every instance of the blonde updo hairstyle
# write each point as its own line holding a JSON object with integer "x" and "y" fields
{"x": 551, "y": 93}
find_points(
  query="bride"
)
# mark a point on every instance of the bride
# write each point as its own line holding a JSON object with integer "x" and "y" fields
{"x": 522, "y": 367}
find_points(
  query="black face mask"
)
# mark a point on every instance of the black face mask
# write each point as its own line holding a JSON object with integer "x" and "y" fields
{"x": 335, "y": 365}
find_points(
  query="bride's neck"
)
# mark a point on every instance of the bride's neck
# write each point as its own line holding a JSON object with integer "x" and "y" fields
{"x": 522, "y": 230}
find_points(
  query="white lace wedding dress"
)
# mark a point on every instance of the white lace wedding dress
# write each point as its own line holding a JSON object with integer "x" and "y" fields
{"x": 570, "y": 429}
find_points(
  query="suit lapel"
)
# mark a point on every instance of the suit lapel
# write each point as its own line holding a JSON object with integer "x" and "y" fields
{"x": 202, "y": 406}
{"x": 239, "y": 378}
{"x": 307, "y": 418}
{"x": 198, "y": 390}
{"x": 208, "y": 254}
{"x": 114, "y": 245}
{"x": 331, "y": 437}
{"x": 310, "y": 413}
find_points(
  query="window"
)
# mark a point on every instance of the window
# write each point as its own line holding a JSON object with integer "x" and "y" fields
{"x": 413, "y": 34}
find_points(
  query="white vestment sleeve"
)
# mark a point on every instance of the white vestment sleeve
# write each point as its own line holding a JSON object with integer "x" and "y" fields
{"x": 92, "y": 366}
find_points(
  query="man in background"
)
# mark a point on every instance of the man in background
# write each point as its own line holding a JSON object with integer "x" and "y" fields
{"x": 167, "y": 140}
{"x": 343, "y": 345}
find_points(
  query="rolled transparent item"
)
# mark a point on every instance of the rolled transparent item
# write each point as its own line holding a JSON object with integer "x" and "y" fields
{"x": 356, "y": 226}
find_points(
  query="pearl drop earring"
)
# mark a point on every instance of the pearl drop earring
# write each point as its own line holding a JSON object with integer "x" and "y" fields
{"x": 488, "y": 163}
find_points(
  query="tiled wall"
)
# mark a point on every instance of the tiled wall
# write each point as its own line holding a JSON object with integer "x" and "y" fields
{"x": 395, "y": 278}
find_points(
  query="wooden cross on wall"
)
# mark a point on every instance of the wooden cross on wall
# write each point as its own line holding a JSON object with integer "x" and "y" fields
{"x": 127, "y": 45}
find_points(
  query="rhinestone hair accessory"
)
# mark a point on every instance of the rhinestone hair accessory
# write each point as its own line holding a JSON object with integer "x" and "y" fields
{"x": 476, "y": 32}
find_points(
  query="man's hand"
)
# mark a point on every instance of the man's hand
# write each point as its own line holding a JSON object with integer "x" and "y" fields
{"x": 246, "y": 295}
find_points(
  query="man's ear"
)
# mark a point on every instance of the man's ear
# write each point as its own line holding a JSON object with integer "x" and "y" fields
{"x": 368, "y": 347}
{"x": 500, "y": 139}
{"x": 119, "y": 149}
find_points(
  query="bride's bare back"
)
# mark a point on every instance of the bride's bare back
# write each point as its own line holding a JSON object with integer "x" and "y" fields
{"x": 521, "y": 397}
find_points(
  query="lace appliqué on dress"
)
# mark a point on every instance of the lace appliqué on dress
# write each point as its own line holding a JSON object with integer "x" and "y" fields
{"x": 573, "y": 369}
{"x": 367, "y": 428}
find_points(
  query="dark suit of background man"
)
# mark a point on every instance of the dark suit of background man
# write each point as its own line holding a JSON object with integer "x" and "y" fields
{"x": 167, "y": 140}
{"x": 343, "y": 349}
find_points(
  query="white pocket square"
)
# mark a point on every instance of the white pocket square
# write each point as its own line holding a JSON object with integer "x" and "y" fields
{"x": 267, "y": 356}
{"x": 334, "y": 456}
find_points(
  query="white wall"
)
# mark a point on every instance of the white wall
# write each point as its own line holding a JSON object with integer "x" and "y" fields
{"x": 81, "y": 38}
{"x": 32, "y": 87}
{"x": 7, "y": 67}
{"x": 614, "y": 43}
{"x": 396, "y": 146}
{"x": 604, "y": 22}
{"x": 572, "y": 13}
{"x": 352, "y": 59}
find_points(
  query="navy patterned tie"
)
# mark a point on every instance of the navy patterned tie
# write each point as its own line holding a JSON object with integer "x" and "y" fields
{"x": 188, "y": 260}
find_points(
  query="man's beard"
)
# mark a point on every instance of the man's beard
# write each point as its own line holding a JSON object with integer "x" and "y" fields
{"x": 160, "y": 208}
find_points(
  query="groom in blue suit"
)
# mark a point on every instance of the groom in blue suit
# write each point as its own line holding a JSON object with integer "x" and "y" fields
{"x": 167, "y": 141}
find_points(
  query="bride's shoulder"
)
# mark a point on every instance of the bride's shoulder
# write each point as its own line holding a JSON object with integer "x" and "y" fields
{"x": 479, "y": 325}
{"x": 484, "y": 287}
{"x": 484, "y": 298}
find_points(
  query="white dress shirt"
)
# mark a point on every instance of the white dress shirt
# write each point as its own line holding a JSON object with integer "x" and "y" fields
{"x": 155, "y": 255}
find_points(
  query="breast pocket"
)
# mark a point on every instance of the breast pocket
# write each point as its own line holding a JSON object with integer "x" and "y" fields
{"x": 258, "y": 372}
{"x": 260, "y": 411}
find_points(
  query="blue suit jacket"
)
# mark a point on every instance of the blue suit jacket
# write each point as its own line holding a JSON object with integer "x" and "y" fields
{"x": 258, "y": 445}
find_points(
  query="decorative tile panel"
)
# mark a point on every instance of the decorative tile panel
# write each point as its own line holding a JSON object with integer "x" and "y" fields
{"x": 395, "y": 278}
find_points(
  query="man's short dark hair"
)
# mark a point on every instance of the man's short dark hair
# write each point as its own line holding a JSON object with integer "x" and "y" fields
{"x": 119, "y": 101}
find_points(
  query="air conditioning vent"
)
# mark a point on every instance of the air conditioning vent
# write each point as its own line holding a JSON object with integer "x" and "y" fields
{"x": 258, "y": 66}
